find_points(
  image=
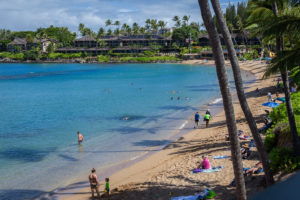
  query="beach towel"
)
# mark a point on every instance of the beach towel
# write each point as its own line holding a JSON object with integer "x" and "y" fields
{"x": 221, "y": 157}
{"x": 213, "y": 169}
{"x": 251, "y": 143}
{"x": 193, "y": 197}
{"x": 206, "y": 194}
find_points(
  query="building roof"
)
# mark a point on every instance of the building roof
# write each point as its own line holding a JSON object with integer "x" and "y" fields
{"x": 86, "y": 38}
{"x": 18, "y": 41}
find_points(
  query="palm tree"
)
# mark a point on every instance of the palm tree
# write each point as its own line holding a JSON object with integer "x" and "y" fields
{"x": 81, "y": 28}
{"x": 135, "y": 28}
{"x": 154, "y": 25}
{"x": 240, "y": 91}
{"x": 227, "y": 98}
{"x": 101, "y": 32}
{"x": 177, "y": 21}
{"x": 148, "y": 25}
{"x": 142, "y": 30}
{"x": 107, "y": 24}
{"x": 161, "y": 24}
{"x": 109, "y": 32}
{"x": 186, "y": 19}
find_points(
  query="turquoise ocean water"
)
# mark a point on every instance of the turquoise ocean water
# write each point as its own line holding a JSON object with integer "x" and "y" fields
{"x": 44, "y": 105}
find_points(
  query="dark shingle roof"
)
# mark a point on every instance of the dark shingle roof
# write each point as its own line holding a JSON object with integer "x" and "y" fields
{"x": 18, "y": 41}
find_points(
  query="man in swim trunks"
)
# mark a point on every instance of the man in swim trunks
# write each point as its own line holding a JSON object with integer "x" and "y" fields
{"x": 197, "y": 117}
{"x": 80, "y": 137}
{"x": 94, "y": 183}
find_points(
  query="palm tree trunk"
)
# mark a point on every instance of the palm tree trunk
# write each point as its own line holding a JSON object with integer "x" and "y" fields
{"x": 285, "y": 80}
{"x": 227, "y": 98}
{"x": 240, "y": 91}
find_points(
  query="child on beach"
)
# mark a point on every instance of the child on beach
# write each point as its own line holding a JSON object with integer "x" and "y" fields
{"x": 106, "y": 190}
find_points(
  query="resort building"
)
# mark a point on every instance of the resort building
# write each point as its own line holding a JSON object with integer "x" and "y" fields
{"x": 46, "y": 42}
{"x": 20, "y": 44}
{"x": 117, "y": 44}
{"x": 237, "y": 39}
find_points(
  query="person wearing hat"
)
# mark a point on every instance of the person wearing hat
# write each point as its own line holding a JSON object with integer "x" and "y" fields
{"x": 245, "y": 151}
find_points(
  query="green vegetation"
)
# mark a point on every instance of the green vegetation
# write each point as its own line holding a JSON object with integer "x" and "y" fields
{"x": 148, "y": 59}
{"x": 102, "y": 58}
{"x": 14, "y": 56}
{"x": 278, "y": 139}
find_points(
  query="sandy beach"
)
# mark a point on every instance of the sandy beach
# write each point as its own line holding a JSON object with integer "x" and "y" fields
{"x": 167, "y": 173}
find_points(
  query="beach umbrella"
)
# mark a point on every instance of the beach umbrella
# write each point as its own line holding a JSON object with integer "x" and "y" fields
{"x": 268, "y": 58}
{"x": 281, "y": 99}
{"x": 271, "y": 104}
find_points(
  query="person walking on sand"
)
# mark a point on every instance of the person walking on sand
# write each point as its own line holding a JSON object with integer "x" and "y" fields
{"x": 80, "y": 137}
{"x": 207, "y": 118}
{"x": 197, "y": 117}
{"x": 94, "y": 183}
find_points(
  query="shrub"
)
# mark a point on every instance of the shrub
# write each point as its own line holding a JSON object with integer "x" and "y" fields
{"x": 284, "y": 159}
{"x": 102, "y": 58}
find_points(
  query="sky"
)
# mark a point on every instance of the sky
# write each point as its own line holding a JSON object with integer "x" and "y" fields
{"x": 17, "y": 15}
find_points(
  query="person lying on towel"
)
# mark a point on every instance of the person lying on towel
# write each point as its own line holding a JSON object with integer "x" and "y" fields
{"x": 256, "y": 169}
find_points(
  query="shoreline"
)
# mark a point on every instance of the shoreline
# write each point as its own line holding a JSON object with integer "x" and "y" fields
{"x": 120, "y": 172}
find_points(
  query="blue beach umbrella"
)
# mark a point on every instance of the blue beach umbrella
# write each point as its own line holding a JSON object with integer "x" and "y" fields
{"x": 271, "y": 104}
{"x": 268, "y": 58}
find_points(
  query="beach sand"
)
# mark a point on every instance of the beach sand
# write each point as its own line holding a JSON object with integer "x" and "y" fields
{"x": 168, "y": 172}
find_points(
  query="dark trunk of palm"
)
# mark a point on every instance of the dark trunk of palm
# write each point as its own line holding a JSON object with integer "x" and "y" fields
{"x": 227, "y": 98}
{"x": 240, "y": 92}
{"x": 285, "y": 80}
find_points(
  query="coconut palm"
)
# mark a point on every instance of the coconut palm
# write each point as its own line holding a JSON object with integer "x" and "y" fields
{"x": 240, "y": 91}
{"x": 154, "y": 25}
{"x": 81, "y": 28}
{"x": 177, "y": 21}
{"x": 135, "y": 28}
{"x": 142, "y": 30}
{"x": 186, "y": 19}
{"x": 227, "y": 98}
{"x": 101, "y": 32}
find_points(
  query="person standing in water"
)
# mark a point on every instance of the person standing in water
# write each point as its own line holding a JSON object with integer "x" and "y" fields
{"x": 94, "y": 183}
{"x": 80, "y": 137}
{"x": 197, "y": 117}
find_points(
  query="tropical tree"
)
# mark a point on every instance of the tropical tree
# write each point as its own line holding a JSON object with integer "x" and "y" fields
{"x": 186, "y": 19}
{"x": 135, "y": 28}
{"x": 240, "y": 91}
{"x": 109, "y": 32}
{"x": 101, "y": 32}
{"x": 177, "y": 21}
{"x": 154, "y": 25}
{"x": 161, "y": 24}
{"x": 80, "y": 28}
{"x": 142, "y": 30}
{"x": 227, "y": 98}
{"x": 269, "y": 13}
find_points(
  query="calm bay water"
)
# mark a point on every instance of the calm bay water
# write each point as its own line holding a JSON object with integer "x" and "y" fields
{"x": 44, "y": 105}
